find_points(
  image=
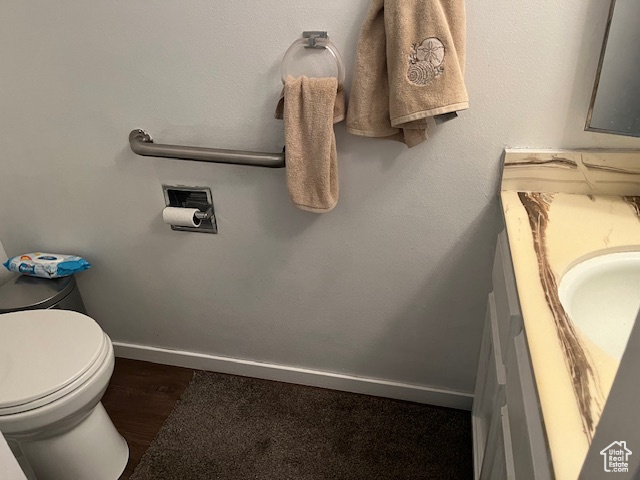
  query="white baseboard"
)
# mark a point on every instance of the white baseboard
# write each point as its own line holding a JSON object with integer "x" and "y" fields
{"x": 302, "y": 376}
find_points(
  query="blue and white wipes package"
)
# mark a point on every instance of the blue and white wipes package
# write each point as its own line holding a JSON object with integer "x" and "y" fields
{"x": 46, "y": 265}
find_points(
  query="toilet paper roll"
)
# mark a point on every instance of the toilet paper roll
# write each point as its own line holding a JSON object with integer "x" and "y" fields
{"x": 182, "y": 217}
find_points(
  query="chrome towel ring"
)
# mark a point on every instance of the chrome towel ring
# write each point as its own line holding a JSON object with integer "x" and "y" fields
{"x": 314, "y": 39}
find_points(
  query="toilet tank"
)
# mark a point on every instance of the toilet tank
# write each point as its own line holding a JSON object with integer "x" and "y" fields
{"x": 32, "y": 293}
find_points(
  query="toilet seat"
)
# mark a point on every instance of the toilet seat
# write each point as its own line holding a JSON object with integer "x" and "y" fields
{"x": 45, "y": 355}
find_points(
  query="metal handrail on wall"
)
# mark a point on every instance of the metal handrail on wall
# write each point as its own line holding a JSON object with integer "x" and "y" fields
{"x": 142, "y": 144}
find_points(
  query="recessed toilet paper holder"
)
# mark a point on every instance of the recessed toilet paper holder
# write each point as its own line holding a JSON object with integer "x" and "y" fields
{"x": 204, "y": 215}
{"x": 192, "y": 197}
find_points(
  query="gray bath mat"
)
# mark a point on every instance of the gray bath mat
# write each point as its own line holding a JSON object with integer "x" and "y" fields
{"x": 236, "y": 428}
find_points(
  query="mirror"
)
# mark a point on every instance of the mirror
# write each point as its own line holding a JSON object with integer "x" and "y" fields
{"x": 615, "y": 102}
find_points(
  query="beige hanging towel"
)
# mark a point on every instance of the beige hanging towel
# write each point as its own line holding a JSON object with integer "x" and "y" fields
{"x": 310, "y": 107}
{"x": 409, "y": 68}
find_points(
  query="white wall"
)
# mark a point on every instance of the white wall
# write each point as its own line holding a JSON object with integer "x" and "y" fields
{"x": 391, "y": 284}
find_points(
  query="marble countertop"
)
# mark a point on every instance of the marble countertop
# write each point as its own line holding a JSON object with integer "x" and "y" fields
{"x": 560, "y": 208}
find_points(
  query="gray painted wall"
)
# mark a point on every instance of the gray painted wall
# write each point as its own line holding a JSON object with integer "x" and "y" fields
{"x": 392, "y": 284}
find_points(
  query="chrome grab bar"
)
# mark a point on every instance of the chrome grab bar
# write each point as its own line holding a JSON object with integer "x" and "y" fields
{"x": 142, "y": 144}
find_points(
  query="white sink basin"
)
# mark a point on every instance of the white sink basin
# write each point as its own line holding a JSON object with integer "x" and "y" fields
{"x": 602, "y": 297}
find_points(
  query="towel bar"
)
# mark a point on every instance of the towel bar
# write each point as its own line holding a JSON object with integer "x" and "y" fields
{"x": 142, "y": 144}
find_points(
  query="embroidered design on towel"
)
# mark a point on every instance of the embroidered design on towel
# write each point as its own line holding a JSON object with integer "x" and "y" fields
{"x": 425, "y": 61}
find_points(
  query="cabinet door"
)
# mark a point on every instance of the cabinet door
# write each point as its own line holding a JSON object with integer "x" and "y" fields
{"x": 506, "y": 296}
{"x": 509, "y": 438}
{"x": 489, "y": 390}
{"x": 498, "y": 458}
{"x": 530, "y": 453}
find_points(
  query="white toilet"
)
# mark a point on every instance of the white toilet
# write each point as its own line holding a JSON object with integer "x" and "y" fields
{"x": 54, "y": 369}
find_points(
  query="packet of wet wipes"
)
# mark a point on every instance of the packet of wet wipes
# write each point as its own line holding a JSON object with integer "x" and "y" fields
{"x": 46, "y": 265}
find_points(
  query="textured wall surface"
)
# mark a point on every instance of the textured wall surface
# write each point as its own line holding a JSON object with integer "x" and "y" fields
{"x": 392, "y": 284}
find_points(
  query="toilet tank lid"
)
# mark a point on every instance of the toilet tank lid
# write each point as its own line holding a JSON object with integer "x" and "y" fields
{"x": 42, "y": 351}
{"x": 27, "y": 293}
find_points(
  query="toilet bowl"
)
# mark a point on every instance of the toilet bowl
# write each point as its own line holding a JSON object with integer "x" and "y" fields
{"x": 55, "y": 366}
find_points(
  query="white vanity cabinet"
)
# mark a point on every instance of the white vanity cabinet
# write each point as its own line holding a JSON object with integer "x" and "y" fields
{"x": 508, "y": 434}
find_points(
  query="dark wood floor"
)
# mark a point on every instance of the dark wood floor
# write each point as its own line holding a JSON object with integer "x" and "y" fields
{"x": 140, "y": 397}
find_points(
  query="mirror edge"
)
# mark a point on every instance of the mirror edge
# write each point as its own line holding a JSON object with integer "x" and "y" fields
{"x": 603, "y": 50}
